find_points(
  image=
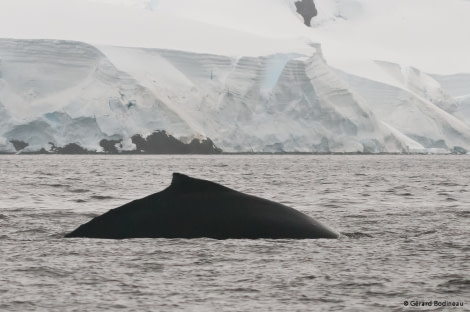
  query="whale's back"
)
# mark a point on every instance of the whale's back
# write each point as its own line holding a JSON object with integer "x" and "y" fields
{"x": 191, "y": 208}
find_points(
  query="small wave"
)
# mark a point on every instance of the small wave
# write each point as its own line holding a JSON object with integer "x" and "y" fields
{"x": 39, "y": 172}
{"x": 417, "y": 234}
{"x": 455, "y": 284}
{"x": 101, "y": 197}
{"x": 242, "y": 289}
{"x": 357, "y": 216}
{"x": 45, "y": 271}
{"x": 79, "y": 191}
{"x": 463, "y": 214}
{"x": 4, "y": 237}
{"x": 356, "y": 235}
{"x": 428, "y": 232}
{"x": 405, "y": 194}
{"x": 3, "y": 217}
{"x": 362, "y": 284}
{"x": 56, "y": 185}
{"x": 48, "y": 214}
{"x": 58, "y": 235}
{"x": 73, "y": 179}
{"x": 80, "y": 201}
{"x": 33, "y": 231}
{"x": 453, "y": 184}
{"x": 151, "y": 266}
{"x": 119, "y": 306}
{"x": 90, "y": 215}
{"x": 333, "y": 301}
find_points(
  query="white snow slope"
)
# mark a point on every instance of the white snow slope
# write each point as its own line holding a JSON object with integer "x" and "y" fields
{"x": 367, "y": 76}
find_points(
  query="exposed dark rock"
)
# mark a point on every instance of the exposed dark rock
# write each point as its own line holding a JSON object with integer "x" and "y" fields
{"x": 307, "y": 9}
{"x": 43, "y": 151}
{"x": 140, "y": 143}
{"x": 109, "y": 146}
{"x": 18, "y": 145}
{"x": 160, "y": 142}
{"x": 71, "y": 148}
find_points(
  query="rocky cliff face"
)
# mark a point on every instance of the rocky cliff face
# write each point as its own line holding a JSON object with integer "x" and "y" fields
{"x": 307, "y": 9}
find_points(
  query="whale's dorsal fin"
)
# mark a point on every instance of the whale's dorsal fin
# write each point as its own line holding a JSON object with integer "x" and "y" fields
{"x": 184, "y": 182}
{"x": 179, "y": 179}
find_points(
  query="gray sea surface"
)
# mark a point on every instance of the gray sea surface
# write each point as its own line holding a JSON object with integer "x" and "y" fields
{"x": 405, "y": 220}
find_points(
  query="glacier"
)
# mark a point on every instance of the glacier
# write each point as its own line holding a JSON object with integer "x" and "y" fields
{"x": 265, "y": 84}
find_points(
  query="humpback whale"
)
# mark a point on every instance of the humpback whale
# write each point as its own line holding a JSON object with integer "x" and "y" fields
{"x": 195, "y": 208}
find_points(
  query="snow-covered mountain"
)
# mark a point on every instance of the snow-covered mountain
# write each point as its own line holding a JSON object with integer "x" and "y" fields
{"x": 366, "y": 76}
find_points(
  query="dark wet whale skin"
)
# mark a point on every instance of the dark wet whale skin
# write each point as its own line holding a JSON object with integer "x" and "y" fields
{"x": 193, "y": 208}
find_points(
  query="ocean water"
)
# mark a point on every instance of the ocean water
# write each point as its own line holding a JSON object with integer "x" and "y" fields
{"x": 405, "y": 220}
